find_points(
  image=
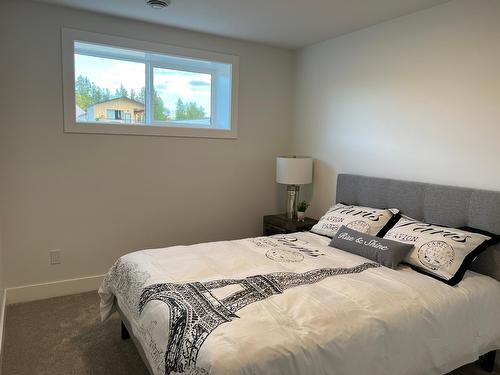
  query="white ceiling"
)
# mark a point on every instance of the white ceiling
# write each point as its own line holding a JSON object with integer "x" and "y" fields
{"x": 284, "y": 23}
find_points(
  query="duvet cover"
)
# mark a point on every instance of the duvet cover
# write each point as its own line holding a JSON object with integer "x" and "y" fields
{"x": 291, "y": 304}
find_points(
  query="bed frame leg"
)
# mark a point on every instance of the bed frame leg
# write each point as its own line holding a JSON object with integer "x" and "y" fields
{"x": 488, "y": 361}
{"x": 125, "y": 334}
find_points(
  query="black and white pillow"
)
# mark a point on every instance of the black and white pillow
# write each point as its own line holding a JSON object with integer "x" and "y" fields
{"x": 386, "y": 252}
{"x": 441, "y": 252}
{"x": 367, "y": 220}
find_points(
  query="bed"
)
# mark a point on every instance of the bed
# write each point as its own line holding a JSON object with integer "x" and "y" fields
{"x": 291, "y": 304}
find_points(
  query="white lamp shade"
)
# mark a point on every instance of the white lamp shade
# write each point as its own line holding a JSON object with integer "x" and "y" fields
{"x": 294, "y": 170}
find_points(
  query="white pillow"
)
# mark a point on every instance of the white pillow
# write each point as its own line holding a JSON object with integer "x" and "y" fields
{"x": 362, "y": 219}
{"x": 441, "y": 252}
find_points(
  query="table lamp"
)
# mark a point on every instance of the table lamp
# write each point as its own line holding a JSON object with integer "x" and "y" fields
{"x": 293, "y": 171}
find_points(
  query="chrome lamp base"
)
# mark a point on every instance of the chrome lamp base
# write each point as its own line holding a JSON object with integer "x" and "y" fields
{"x": 291, "y": 201}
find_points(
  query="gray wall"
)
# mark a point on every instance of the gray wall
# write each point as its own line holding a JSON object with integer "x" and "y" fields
{"x": 97, "y": 197}
{"x": 2, "y": 291}
{"x": 414, "y": 98}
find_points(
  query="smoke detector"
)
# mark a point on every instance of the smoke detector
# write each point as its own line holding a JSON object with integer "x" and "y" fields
{"x": 158, "y": 4}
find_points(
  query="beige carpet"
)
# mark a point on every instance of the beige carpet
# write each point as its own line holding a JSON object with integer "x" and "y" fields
{"x": 63, "y": 336}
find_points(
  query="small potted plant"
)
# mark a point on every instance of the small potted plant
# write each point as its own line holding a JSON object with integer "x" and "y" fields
{"x": 301, "y": 209}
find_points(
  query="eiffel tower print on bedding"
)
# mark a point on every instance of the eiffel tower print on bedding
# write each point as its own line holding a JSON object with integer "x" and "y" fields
{"x": 195, "y": 312}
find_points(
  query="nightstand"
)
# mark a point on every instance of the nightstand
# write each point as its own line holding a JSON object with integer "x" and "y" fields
{"x": 280, "y": 224}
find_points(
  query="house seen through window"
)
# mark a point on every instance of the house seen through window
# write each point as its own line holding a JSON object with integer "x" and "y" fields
{"x": 116, "y": 87}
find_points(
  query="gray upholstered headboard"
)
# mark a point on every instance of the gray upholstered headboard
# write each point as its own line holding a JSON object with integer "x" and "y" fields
{"x": 436, "y": 204}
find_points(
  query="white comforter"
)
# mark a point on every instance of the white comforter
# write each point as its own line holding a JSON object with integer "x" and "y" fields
{"x": 365, "y": 320}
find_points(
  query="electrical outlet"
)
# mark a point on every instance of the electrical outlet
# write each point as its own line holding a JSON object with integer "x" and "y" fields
{"x": 55, "y": 256}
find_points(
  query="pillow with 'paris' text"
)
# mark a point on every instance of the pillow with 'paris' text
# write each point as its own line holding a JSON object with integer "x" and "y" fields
{"x": 440, "y": 252}
{"x": 374, "y": 221}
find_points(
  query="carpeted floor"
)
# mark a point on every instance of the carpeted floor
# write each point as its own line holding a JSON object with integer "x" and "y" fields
{"x": 63, "y": 336}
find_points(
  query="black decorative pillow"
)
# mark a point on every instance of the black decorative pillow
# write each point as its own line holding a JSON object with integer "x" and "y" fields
{"x": 368, "y": 220}
{"x": 441, "y": 252}
{"x": 386, "y": 252}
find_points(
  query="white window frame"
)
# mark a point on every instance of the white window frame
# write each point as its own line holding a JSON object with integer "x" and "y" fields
{"x": 153, "y": 128}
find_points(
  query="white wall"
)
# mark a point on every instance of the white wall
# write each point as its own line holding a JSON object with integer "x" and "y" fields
{"x": 416, "y": 98}
{"x": 97, "y": 197}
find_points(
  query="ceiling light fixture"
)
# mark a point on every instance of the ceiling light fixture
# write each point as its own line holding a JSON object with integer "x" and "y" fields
{"x": 158, "y": 4}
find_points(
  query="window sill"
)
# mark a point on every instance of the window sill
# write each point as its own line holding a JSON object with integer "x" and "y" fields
{"x": 149, "y": 130}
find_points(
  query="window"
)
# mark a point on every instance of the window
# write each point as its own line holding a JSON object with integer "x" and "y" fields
{"x": 115, "y": 85}
{"x": 189, "y": 103}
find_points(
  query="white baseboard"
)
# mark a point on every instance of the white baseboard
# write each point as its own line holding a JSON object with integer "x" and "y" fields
{"x": 35, "y": 292}
{"x": 2, "y": 326}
